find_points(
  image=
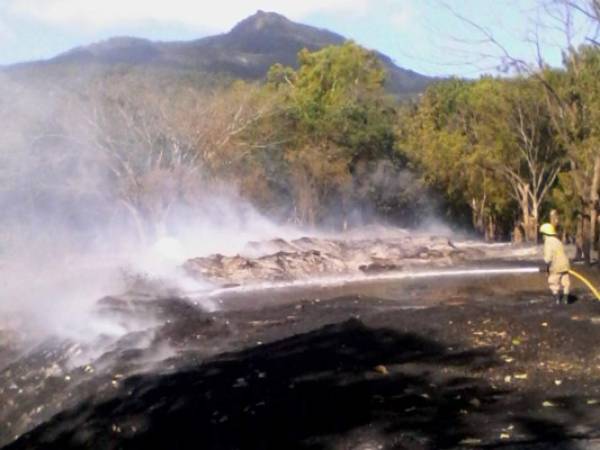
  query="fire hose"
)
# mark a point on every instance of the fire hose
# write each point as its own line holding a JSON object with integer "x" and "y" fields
{"x": 586, "y": 282}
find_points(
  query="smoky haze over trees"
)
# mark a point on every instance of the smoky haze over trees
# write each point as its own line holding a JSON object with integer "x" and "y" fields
{"x": 145, "y": 151}
{"x": 323, "y": 142}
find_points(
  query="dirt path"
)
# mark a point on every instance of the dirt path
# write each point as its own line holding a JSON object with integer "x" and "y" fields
{"x": 422, "y": 364}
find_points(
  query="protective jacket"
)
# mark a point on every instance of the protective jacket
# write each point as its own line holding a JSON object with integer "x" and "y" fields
{"x": 554, "y": 254}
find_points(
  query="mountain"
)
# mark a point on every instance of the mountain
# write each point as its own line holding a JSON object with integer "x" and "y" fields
{"x": 247, "y": 51}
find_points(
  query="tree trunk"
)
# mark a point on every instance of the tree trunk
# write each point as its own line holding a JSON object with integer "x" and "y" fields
{"x": 534, "y": 220}
{"x": 531, "y": 225}
{"x": 517, "y": 235}
{"x": 529, "y": 219}
{"x": 534, "y": 228}
{"x": 306, "y": 198}
{"x": 586, "y": 234}
{"x": 490, "y": 230}
{"x": 529, "y": 213}
{"x": 579, "y": 238}
{"x": 593, "y": 227}
{"x": 593, "y": 207}
{"x": 478, "y": 217}
{"x": 524, "y": 204}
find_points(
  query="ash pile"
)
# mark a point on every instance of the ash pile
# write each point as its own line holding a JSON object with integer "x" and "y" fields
{"x": 310, "y": 257}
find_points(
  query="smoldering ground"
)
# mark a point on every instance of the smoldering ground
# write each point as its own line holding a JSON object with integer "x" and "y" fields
{"x": 95, "y": 301}
{"x": 103, "y": 203}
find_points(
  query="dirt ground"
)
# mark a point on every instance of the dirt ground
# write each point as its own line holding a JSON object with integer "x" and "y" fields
{"x": 424, "y": 364}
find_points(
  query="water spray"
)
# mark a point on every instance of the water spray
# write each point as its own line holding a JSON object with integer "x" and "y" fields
{"x": 390, "y": 276}
{"x": 351, "y": 279}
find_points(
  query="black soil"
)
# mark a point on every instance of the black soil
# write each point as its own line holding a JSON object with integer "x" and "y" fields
{"x": 487, "y": 362}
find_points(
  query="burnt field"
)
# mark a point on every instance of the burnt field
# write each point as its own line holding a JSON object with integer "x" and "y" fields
{"x": 419, "y": 364}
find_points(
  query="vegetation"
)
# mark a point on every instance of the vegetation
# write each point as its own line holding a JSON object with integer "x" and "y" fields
{"x": 323, "y": 143}
{"x": 489, "y": 146}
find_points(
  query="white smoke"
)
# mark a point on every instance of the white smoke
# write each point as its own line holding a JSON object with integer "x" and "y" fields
{"x": 66, "y": 238}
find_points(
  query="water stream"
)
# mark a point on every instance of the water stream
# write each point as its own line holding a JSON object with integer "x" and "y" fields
{"x": 355, "y": 279}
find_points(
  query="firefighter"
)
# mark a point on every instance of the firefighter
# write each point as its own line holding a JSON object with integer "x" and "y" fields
{"x": 557, "y": 264}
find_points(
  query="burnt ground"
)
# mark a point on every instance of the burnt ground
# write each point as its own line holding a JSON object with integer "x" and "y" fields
{"x": 422, "y": 364}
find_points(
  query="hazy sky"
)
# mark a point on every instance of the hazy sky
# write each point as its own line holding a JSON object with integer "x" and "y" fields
{"x": 423, "y": 35}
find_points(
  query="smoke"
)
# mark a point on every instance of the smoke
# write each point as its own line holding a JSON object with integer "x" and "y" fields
{"x": 101, "y": 197}
{"x": 108, "y": 186}
{"x": 386, "y": 191}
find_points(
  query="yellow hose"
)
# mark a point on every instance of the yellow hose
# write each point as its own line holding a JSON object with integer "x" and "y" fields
{"x": 586, "y": 282}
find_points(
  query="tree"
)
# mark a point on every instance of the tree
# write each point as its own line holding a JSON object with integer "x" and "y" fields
{"x": 484, "y": 140}
{"x": 439, "y": 136}
{"x": 573, "y": 94}
{"x": 513, "y": 128}
{"x": 335, "y": 114}
{"x": 569, "y": 92}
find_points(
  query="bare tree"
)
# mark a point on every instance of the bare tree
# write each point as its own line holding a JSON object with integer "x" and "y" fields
{"x": 542, "y": 161}
{"x": 579, "y": 21}
{"x": 165, "y": 151}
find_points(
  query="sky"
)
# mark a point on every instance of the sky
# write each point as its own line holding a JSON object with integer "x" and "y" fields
{"x": 426, "y": 36}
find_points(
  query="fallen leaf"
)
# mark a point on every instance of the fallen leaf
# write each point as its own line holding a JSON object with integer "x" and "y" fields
{"x": 592, "y": 401}
{"x": 521, "y": 376}
{"x": 548, "y": 404}
{"x": 381, "y": 369}
{"x": 558, "y": 382}
{"x": 240, "y": 383}
{"x": 475, "y": 402}
{"x": 470, "y": 441}
{"x": 507, "y": 379}
{"x": 504, "y": 436}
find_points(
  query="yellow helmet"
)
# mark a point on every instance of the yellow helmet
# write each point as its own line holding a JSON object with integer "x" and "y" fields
{"x": 548, "y": 229}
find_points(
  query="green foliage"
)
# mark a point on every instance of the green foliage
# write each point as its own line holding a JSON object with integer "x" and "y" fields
{"x": 565, "y": 199}
{"x": 333, "y": 115}
{"x": 314, "y": 142}
{"x": 486, "y": 146}
{"x": 436, "y": 137}
{"x": 337, "y": 95}
{"x": 578, "y": 90}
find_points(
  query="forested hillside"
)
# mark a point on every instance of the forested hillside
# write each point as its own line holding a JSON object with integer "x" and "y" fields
{"x": 318, "y": 143}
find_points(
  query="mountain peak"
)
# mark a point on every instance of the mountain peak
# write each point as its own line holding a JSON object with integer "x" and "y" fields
{"x": 247, "y": 51}
{"x": 261, "y": 20}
